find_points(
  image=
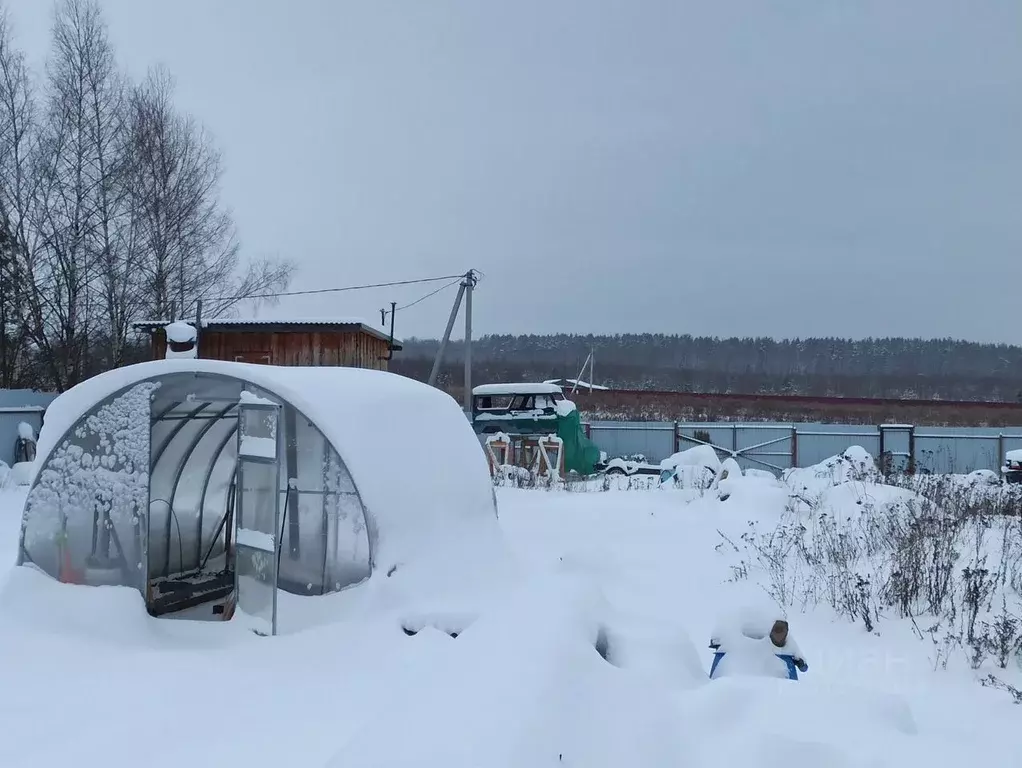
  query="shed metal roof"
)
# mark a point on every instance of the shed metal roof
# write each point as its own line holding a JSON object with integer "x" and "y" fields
{"x": 286, "y": 325}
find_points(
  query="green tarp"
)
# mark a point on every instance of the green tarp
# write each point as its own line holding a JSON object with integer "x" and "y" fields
{"x": 580, "y": 453}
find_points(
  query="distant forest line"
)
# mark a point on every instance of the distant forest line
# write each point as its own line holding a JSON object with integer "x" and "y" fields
{"x": 940, "y": 369}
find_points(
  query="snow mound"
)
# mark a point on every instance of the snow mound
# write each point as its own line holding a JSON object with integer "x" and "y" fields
{"x": 982, "y": 477}
{"x": 839, "y": 725}
{"x": 525, "y": 685}
{"x": 730, "y": 468}
{"x": 697, "y": 456}
{"x": 758, "y": 489}
{"x": 659, "y": 653}
{"x": 729, "y": 478}
{"x": 695, "y": 467}
{"x": 855, "y": 464}
{"x": 26, "y": 431}
{"x": 18, "y": 475}
{"x": 850, "y": 503}
{"x": 107, "y": 615}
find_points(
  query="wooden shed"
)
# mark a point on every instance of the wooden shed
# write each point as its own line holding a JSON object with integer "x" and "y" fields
{"x": 348, "y": 343}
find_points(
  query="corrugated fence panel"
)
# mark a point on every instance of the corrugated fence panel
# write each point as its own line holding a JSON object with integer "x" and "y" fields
{"x": 654, "y": 440}
{"x": 942, "y": 454}
{"x": 1012, "y": 442}
{"x": 10, "y": 418}
{"x": 817, "y": 442}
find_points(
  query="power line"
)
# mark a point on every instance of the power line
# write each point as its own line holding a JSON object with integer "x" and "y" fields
{"x": 431, "y": 293}
{"x": 391, "y": 284}
{"x": 471, "y": 274}
{"x": 454, "y": 279}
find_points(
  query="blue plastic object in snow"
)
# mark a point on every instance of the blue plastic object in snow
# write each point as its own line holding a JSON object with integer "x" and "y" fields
{"x": 787, "y": 658}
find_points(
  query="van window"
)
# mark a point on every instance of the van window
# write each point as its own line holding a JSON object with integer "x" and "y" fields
{"x": 493, "y": 402}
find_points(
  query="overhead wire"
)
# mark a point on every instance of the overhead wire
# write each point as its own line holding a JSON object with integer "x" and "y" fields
{"x": 474, "y": 273}
{"x": 431, "y": 294}
{"x": 391, "y": 284}
{"x": 454, "y": 279}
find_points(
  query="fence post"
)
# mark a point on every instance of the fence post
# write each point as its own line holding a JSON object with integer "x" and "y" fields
{"x": 677, "y": 438}
{"x": 911, "y": 469}
{"x": 794, "y": 447}
{"x": 734, "y": 441}
{"x": 1000, "y": 448}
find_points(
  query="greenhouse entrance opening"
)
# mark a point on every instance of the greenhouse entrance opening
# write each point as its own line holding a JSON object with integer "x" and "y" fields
{"x": 215, "y": 528}
{"x": 194, "y": 502}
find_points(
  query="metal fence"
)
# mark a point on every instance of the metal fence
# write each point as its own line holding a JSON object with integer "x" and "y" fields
{"x": 16, "y": 406}
{"x": 10, "y": 418}
{"x": 777, "y": 447}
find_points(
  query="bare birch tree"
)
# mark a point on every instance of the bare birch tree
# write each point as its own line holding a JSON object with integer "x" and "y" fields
{"x": 105, "y": 121}
{"x": 17, "y": 125}
{"x": 186, "y": 240}
{"x": 110, "y": 208}
{"x": 80, "y": 267}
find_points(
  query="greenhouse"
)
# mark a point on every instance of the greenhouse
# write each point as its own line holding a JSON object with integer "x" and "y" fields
{"x": 212, "y": 486}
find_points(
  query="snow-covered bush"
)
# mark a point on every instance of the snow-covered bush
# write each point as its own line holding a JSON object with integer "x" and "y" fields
{"x": 853, "y": 465}
{"x": 948, "y": 550}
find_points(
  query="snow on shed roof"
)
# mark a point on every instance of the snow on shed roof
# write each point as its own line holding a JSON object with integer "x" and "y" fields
{"x": 375, "y": 420}
{"x": 525, "y": 388}
{"x": 295, "y": 324}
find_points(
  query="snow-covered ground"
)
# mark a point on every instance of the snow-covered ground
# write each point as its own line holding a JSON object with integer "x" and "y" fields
{"x": 641, "y": 577}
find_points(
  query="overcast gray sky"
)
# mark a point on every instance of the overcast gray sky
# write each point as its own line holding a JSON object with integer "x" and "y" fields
{"x": 785, "y": 168}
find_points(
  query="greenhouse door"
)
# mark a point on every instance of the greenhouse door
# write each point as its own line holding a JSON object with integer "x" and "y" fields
{"x": 257, "y": 522}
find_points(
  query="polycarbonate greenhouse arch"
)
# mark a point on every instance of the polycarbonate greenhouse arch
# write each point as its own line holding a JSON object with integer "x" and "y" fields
{"x": 136, "y": 466}
{"x": 95, "y": 537}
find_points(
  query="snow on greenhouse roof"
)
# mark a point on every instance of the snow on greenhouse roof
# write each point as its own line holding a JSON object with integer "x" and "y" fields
{"x": 533, "y": 388}
{"x": 380, "y": 423}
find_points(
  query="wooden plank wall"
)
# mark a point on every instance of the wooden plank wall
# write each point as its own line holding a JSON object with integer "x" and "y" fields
{"x": 351, "y": 350}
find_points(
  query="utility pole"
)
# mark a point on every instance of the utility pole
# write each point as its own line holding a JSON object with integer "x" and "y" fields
{"x": 447, "y": 336}
{"x": 469, "y": 284}
{"x": 592, "y": 368}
